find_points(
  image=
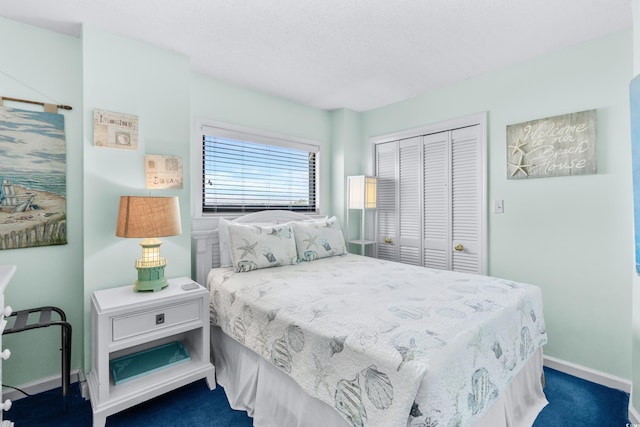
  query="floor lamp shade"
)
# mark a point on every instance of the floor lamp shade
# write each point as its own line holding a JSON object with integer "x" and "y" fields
{"x": 362, "y": 192}
{"x": 148, "y": 218}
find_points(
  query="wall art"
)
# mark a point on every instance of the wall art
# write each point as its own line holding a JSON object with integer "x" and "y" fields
{"x": 115, "y": 130}
{"x": 163, "y": 172}
{"x": 33, "y": 201}
{"x": 555, "y": 146}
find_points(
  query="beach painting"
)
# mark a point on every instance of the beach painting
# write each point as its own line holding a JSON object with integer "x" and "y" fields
{"x": 33, "y": 203}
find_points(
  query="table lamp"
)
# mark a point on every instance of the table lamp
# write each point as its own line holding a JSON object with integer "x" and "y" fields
{"x": 148, "y": 218}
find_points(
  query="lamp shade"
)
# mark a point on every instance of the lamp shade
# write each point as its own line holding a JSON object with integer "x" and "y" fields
{"x": 146, "y": 216}
{"x": 362, "y": 192}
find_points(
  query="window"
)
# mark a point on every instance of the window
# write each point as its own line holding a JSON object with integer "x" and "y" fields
{"x": 245, "y": 172}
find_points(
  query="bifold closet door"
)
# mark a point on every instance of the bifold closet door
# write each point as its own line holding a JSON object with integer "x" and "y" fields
{"x": 399, "y": 172}
{"x": 437, "y": 200}
{"x": 467, "y": 200}
{"x": 387, "y": 221}
{"x": 410, "y": 201}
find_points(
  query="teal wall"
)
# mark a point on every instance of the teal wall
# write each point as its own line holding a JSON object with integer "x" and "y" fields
{"x": 44, "y": 66}
{"x": 571, "y": 236}
{"x": 130, "y": 77}
{"x": 213, "y": 100}
{"x": 635, "y": 339}
{"x": 347, "y": 156}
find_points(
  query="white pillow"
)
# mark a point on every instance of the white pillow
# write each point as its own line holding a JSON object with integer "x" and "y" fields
{"x": 254, "y": 246}
{"x": 223, "y": 238}
{"x": 319, "y": 239}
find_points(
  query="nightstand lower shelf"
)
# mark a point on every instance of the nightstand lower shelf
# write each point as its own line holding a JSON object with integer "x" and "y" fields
{"x": 147, "y": 387}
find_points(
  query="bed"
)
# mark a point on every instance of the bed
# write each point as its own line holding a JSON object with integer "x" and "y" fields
{"x": 343, "y": 340}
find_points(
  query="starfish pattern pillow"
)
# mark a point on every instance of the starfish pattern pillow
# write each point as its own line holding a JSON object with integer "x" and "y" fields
{"x": 253, "y": 247}
{"x": 319, "y": 239}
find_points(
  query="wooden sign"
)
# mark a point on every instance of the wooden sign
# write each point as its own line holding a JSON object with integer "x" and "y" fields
{"x": 555, "y": 146}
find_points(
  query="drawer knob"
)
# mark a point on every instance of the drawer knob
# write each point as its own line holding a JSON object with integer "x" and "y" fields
{"x": 6, "y": 405}
{"x": 5, "y": 354}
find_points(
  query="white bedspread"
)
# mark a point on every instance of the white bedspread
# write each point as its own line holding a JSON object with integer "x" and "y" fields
{"x": 384, "y": 343}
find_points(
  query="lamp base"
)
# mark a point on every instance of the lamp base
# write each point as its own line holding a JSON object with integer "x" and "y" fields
{"x": 150, "y": 279}
{"x": 150, "y": 285}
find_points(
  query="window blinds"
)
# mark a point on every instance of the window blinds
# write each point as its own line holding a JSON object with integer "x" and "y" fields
{"x": 250, "y": 173}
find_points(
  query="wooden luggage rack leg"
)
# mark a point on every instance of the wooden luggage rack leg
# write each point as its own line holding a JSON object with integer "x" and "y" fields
{"x": 44, "y": 320}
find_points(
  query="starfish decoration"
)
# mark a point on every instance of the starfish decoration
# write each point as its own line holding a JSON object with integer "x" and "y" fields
{"x": 247, "y": 248}
{"x": 519, "y": 167}
{"x": 311, "y": 241}
{"x": 322, "y": 373}
{"x": 517, "y": 147}
{"x": 275, "y": 232}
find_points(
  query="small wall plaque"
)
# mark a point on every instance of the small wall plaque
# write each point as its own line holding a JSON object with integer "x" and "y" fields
{"x": 115, "y": 130}
{"x": 555, "y": 146}
{"x": 163, "y": 172}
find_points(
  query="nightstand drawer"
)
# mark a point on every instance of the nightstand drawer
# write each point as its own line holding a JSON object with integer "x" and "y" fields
{"x": 159, "y": 318}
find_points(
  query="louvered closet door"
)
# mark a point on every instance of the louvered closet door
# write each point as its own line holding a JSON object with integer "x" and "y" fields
{"x": 410, "y": 191}
{"x": 466, "y": 203}
{"x": 437, "y": 200}
{"x": 387, "y": 212}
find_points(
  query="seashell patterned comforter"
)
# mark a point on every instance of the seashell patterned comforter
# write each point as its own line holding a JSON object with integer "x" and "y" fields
{"x": 384, "y": 343}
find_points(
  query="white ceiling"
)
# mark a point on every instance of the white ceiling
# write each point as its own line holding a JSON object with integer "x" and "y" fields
{"x": 356, "y": 54}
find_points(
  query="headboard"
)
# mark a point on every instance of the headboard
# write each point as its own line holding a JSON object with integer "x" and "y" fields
{"x": 205, "y": 236}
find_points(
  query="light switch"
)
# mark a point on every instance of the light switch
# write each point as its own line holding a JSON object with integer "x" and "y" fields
{"x": 498, "y": 206}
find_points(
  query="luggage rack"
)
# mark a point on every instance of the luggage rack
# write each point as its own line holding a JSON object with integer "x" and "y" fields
{"x": 44, "y": 320}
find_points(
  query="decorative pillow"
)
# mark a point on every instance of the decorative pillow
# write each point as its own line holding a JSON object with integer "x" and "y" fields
{"x": 223, "y": 238}
{"x": 319, "y": 239}
{"x": 253, "y": 246}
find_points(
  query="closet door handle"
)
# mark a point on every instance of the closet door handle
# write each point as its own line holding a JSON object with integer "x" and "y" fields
{"x": 459, "y": 247}
{"x": 388, "y": 240}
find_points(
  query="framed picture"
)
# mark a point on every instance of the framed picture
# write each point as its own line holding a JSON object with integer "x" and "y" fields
{"x": 115, "y": 130}
{"x": 163, "y": 172}
{"x": 33, "y": 179}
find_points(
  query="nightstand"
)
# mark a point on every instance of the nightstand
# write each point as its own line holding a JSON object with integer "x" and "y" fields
{"x": 126, "y": 323}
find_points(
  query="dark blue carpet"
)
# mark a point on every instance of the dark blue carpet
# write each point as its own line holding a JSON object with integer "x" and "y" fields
{"x": 573, "y": 402}
{"x": 192, "y": 405}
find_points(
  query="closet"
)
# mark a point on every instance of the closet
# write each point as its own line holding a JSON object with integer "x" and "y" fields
{"x": 431, "y": 196}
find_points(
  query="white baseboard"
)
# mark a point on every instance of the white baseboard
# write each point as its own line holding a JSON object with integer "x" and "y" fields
{"x": 588, "y": 374}
{"x": 597, "y": 377}
{"x": 634, "y": 416}
{"x": 39, "y": 386}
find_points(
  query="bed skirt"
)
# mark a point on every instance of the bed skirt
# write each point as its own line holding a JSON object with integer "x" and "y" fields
{"x": 273, "y": 399}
